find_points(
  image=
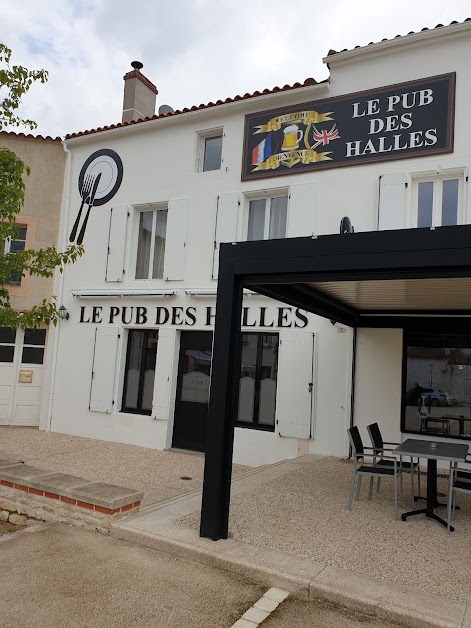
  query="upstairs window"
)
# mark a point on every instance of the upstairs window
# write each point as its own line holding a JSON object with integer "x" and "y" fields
{"x": 267, "y": 218}
{"x": 209, "y": 150}
{"x": 439, "y": 201}
{"x": 151, "y": 244}
{"x": 12, "y": 246}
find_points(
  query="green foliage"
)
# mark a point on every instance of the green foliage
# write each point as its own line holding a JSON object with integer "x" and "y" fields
{"x": 15, "y": 81}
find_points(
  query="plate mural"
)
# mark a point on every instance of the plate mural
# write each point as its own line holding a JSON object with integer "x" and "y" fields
{"x": 99, "y": 179}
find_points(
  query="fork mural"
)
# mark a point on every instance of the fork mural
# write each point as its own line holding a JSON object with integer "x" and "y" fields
{"x": 99, "y": 179}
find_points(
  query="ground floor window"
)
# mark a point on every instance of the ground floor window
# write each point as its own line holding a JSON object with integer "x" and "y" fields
{"x": 437, "y": 398}
{"x": 140, "y": 371}
{"x": 258, "y": 376}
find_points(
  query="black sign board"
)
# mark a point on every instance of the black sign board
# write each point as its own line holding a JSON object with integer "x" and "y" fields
{"x": 393, "y": 122}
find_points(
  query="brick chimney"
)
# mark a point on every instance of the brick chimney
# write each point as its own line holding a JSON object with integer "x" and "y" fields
{"x": 139, "y": 94}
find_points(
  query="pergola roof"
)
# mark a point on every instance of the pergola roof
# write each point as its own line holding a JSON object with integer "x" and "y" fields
{"x": 400, "y": 278}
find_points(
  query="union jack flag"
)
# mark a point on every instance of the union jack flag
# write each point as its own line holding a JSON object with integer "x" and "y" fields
{"x": 324, "y": 137}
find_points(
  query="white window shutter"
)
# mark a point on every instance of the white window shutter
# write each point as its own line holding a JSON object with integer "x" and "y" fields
{"x": 302, "y": 211}
{"x": 467, "y": 193}
{"x": 164, "y": 365}
{"x": 392, "y": 201}
{"x": 176, "y": 240}
{"x": 104, "y": 369}
{"x": 117, "y": 243}
{"x": 294, "y": 397}
{"x": 226, "y": 224}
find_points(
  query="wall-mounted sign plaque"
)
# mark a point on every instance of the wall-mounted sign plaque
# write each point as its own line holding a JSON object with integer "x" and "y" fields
{"x": 394, "y": 122}
{"x": 25, "y": 377}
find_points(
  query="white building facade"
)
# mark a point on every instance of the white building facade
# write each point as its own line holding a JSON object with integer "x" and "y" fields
{"x": 152, "y": 202}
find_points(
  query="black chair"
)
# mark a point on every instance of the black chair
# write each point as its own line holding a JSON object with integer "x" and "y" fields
{"x": 379, "y": 448}
{"x": 372, "y": 470}
{"x": 459, "y": 482}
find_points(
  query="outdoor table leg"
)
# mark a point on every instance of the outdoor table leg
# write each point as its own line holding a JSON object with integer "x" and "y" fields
{"x": 432, "y": 501}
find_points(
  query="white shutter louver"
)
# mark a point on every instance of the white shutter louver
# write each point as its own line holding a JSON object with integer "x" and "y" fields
{"x": 392, "y": 199}
{"x": 104, "y": 369}
{"x": 116, "y": 243}
{"x": 295, "y": 384}
{"x": 176, "y": 239}
{"x": 302, "y": 211}
{"x": 226, "y": 224}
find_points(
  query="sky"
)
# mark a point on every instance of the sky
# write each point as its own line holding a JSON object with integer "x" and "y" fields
{"x": 194, "y": 51}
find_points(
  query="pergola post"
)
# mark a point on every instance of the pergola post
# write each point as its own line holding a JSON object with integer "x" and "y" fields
{"x": 223, "y": 405}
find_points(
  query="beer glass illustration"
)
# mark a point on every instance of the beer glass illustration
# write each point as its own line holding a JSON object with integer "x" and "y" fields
{"x": 292, "y": 137}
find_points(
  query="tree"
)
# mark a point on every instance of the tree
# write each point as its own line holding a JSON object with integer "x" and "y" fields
{"x": 15, "y": 81}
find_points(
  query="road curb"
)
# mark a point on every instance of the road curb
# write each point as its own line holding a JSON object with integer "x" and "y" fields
{"x": 304, "y": 578}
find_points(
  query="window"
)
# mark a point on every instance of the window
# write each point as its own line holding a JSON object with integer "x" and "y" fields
{"x": 7, "y": 344}
{"x": 12, "y": 246}
{"x": 438, "y": 201}
{"x": 33, "y": 346}
{"x": 140, "y": 371}
{"x": 437, "y": 394}
{"x": 209, "y": 150}
{"x": 267, "y": 218}
{"x": 257, "y": 385}
{"x": 151, "y": 244}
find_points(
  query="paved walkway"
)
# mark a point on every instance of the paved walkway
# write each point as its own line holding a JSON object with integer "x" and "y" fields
{"x": 159, "y": 475}
{"x": 410, "y": 572}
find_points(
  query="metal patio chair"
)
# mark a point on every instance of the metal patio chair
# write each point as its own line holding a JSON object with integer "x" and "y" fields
{"x": 459, "y": 482}
{"x": 372, "y": 470}
{"x": 379, "y": 448}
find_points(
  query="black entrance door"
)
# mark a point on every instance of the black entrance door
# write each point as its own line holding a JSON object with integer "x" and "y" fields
{"x": 191, "y": 404}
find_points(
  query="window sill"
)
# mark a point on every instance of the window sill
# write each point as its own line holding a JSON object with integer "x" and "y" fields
{"x": 256, "y": 426}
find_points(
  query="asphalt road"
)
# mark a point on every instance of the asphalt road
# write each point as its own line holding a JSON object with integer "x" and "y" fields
{"x": 64, "y": 576}
{"x": 58, "y": 575}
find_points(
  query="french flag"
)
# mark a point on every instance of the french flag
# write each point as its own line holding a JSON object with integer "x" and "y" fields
{"x": 261, "y": 152}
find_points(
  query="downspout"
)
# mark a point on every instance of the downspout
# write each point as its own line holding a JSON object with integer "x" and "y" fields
{"x": 59, "y": 277}
{"x": 352, "y": 395}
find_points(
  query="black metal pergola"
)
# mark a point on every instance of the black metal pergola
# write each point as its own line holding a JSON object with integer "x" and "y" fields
{"x": 371, "y": 279}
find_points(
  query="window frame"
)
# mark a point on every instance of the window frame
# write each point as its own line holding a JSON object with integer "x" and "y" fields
{"x": 201, "y": 138}
{"x": 139, "y": 409}
{"x": 266, "y": 195}
{"x": 435, "y": 333}
{"x": 255, "y": 425}
{"x": 138, "y": 210}
{"x": 7, "y": 250}
{"x": 437, "y": 178}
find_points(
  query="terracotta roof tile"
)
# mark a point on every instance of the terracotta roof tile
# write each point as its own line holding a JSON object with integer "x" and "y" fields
{"x": 308, "y": 82}
{"x": 29, "y": 136}
{"x": 372, "y": 43}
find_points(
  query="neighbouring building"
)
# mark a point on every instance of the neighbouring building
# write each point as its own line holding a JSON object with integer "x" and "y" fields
{"x": 23, "y": 353}
{"x": 381, "y": 145}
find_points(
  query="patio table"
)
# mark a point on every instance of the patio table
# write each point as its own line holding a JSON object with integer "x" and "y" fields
{"x": 443, "y": 451}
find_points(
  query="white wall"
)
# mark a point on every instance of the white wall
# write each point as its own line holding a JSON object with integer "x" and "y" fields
{"x": 378, "y": 382}
{"x": 159, "y": 166}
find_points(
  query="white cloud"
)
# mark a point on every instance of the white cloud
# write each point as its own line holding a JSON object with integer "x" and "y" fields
{"x": 194, "y": 50}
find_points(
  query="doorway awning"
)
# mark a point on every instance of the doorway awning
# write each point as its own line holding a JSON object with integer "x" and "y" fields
{"x": 363, "y": 279}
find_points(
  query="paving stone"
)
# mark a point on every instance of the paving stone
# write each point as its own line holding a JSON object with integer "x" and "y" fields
{"x": 265, "y": 604}
{"x": 255, "y": 614}
{"x": 244, "y": 623}
{"x": 278, "y": 595}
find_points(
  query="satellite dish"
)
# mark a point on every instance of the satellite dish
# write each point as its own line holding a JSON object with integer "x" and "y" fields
{"x": 165, "y": 109}
{"x": 346, "y": 226}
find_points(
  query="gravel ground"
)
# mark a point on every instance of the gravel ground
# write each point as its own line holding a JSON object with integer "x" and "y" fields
{"x": 157, "y": 473}
{"x": 304, "y": 513}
